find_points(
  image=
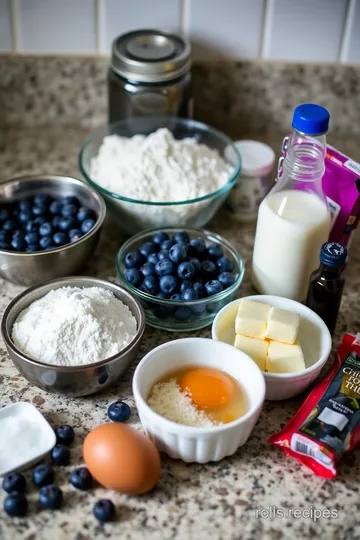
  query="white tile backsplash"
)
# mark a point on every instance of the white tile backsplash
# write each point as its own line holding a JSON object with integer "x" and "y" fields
{"x": 286, "y": 30}
{"x": 126, "y": 15}
{"x": 57, "y": 26}
{"x": 227, "y": 28}
{"x": 5, "y": 33}
{"x": 306, "y": 30}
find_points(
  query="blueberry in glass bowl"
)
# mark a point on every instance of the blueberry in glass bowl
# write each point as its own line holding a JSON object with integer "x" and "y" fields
{"x": 189, "y": 285}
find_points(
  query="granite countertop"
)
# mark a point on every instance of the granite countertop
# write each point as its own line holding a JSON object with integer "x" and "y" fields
{"x": 213, "y": 501}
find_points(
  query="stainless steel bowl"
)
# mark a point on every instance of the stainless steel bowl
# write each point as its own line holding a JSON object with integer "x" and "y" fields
{"x": 32, "y": 268}
{"x": 72, "y": 381}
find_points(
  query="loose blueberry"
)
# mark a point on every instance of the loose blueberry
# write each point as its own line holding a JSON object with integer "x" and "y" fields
{"x": 151, "y": 285}
{"x": 50, "y": 497}
{"x": 38, "y": 211}
{"x": 196, "y": 264}
{"x": 226, "y": 279}
{"x": 81, "y": 478}
{"x": 46, "y": 229}
{"x": 24, "y": 204}
{"x": 64, "y": 434}
{"x": 56, "y": 222}
{"x": 60, "y": 239}
{"x": 182, "y": 313}
{"x": 87, "y": 225}
{"x": 148, "y": 269}
{"x": 9, "y": 225}
{"x": 213, "y": 287}
{"x": 134, "y": 276}
{"x": 85, "y": 213}
{"x": 133, "y": 259}
{"x": 68, "y": 223}
{"x": 4, "y": 215}
{"x": 60, "y": 455}
{"x": 75, "y": 234}
{"x": 198, "y": 247}
{"x": 46, "y": 242}
{"x": 104, "y": 510}
{"x": 163, "y": 254}
{"x": 165, "y": 267}
{"x": 147, "y": 248}
{"x": 15, "y": 504}
{"x": 186, "y": 284}
{"x": 69, "y": 210}
{"x": 224, "y": 264}
{"x": 181, "y": 237}
{"x": 119, "y": 411}
{"x": 185, "y": 270}
{"x": 153, "y": 258}
{"x": 14, "y": 481}
{"x": 32, "y": 247}
{"x": 168, "y": 284}
{"x": 70, "y": 200}
{"x": 200, "y": 289}
{"x": 18, "y": 243}
{"x": 166, "y": 245}
{"x": 189, "y": 294}
{"x": 178, "y": 253}
{"x": 31, "y": 227}
{"x": 42, "y": 200}
{"x": 160, "y": 237}
{"x": 215, "y": 251}
{"x": 32, "y": 238}
{"x": 43, "y": 475}
{"x": 176, "y": 297}
{"x": 55, "y": 208}
{"x": 25, "y": 216}
{"x": 208, "y": 269}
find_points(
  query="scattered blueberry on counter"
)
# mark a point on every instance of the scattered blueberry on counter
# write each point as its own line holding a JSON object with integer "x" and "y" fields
{"x": 119, "y": 411}
{"x": 81, "y": 478}
{"x": 42, "y": 222}
{"x": 60, "y": 455}
{"x": 179, "y": 268}
{"x": 43, "y": 475}
{"x": 104, "y": 510}
{"x": 64, "y": 434}
{"x": 50, "y": 497}
{"x": 15, "y": 504}
{"x": 14, "y": 481}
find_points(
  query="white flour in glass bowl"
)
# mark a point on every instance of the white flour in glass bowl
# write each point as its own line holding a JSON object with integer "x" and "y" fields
{"x": 159, "y": 168}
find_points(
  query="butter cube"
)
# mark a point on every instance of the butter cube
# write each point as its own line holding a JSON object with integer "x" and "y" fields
{"x": 251, "y": 319}
{"x": 282, "y": 325}
{"x": 255, "y": 348}
{"x": 284, "y": 358}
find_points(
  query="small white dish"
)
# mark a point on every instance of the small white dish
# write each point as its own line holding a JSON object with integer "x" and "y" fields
{"x": 25, "y": 437}
{"x": 198, "y": 444}
{"x": 314, "y": 337}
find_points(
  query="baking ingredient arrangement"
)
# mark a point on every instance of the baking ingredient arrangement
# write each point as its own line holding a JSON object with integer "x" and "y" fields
{"x": 197, "y": 399}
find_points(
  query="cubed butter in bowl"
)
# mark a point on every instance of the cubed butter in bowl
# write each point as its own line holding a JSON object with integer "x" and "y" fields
{"x": 289, "y": 342}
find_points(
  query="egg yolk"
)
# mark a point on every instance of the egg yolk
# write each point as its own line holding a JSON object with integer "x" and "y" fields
{"x": 208, "y": 388}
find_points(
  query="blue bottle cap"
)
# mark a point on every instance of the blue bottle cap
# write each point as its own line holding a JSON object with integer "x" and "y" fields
{"x": 311, "y": 119}
{"x": 333, "y": 254}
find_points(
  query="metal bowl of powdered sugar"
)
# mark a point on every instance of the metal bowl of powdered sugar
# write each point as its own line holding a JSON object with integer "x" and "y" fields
{"x": 73, "y": 336}
{"x": 160, "y": 171}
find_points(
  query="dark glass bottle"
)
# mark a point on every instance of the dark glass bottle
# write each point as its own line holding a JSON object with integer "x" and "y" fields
{"x": 326, "y": 284}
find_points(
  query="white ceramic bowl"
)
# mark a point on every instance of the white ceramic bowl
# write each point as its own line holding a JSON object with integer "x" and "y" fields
{"x": 314, "y": 337}
{"x": 197, "y": 444}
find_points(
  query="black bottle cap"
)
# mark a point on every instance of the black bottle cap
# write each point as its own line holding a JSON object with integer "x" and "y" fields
{"x": 333, "y": 254}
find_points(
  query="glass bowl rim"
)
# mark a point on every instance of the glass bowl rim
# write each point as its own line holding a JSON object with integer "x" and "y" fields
{"x": 200, "y": 126}
{"x": 167, "y": 302}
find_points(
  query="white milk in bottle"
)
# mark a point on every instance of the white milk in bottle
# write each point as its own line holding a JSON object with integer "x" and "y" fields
{"x": 294, "y": 219}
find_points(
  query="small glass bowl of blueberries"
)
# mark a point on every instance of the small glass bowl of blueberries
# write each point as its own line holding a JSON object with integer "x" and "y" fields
{"x": 182, "y": 277}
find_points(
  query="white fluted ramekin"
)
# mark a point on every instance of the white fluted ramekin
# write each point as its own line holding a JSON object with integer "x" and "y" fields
{"x": 198, "y": 444}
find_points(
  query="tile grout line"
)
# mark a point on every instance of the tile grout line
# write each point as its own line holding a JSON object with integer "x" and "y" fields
{"x": 268, "y": 14}
{"x": 185, "y": 18}
{"x": 346, "y": 33}
{"x": 100, "y": 26}
{"x": 14, "y": 24}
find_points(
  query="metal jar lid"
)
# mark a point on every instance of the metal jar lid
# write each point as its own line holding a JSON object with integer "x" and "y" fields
{"x": 150, "y": 56}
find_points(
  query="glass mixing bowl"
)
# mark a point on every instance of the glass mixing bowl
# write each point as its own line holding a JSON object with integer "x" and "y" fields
{"x": 135, "y": 215}
{"x": 181, "y": 316}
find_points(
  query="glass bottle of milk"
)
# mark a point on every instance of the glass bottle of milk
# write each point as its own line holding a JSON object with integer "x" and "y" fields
{"x": 294, "y": 218}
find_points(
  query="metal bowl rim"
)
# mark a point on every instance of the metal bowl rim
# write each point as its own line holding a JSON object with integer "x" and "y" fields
{"x": 56, "y": 178}
{"x": 71, "y": 369}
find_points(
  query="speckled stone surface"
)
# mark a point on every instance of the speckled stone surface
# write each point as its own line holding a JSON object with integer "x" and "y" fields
{"x": 257, "y": 96}
{"x": 216, "y": 501}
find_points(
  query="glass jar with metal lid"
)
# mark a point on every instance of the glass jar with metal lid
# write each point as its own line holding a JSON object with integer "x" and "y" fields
{"x": 149, "y": 75}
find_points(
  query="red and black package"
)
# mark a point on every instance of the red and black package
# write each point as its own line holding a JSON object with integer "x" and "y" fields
{"x": 328, "y": 422}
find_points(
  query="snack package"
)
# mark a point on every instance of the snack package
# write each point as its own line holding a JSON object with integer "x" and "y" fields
{"x": 328, "y": 422}
{"x": 341, "y": 184}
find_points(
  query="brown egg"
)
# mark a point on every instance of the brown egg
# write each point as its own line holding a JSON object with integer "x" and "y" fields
{"x": 121, "y": 458}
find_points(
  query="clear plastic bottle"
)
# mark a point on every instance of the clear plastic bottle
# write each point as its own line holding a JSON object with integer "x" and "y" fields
{"x": 294, "y": 219}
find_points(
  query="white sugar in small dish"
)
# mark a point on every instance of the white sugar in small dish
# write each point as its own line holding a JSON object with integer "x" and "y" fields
{"x": 25, "y": 437}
